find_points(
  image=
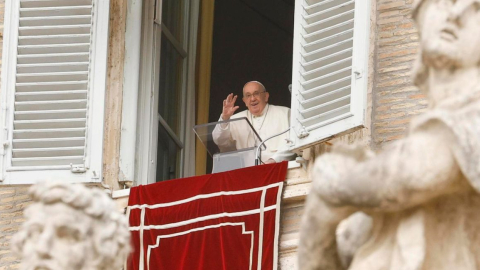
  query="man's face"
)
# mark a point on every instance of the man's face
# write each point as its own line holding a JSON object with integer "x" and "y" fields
{"x": 57, "y": 239}
{"x": 255, "y": 98}
{"x": 450, "y": 32}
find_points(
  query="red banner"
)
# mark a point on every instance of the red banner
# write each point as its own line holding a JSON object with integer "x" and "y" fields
{"x": 226, "y": 220}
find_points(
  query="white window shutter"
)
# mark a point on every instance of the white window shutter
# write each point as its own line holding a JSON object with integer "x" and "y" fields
{"x": 53, "y": 90}
{"x": 329, "y": 69}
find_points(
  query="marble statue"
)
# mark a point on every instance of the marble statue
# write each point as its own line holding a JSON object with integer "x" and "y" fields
{"x": 69, "y": 226}
{"x": 422, "y": 193}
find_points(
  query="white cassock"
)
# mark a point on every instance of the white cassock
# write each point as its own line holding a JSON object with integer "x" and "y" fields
{"x": 238, "y": 135}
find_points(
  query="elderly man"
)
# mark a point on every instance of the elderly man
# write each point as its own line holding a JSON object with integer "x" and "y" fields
{"x": 72, "y": 227}
{"x": 267, "y": 120}
{"x": 423, "y": 192}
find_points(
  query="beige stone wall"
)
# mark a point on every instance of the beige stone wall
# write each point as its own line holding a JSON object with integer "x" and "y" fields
{"x": 13, "y": 199}
{"x": 395, "y": 99}
{"x": 114, "y": 93}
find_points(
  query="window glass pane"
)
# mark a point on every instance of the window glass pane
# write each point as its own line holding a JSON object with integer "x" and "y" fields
{"x": 170, "y": 92}
{"x": 167, "y": 156}
{"x": 172, "y": 17}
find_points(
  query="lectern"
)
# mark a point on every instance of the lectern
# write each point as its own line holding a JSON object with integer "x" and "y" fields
{"x": 226, "y": 158}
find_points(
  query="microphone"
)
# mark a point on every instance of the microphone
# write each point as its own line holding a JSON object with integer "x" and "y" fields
{"x": 257, "y": 156}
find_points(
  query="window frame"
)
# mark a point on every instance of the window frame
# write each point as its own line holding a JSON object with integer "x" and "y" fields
{"x": 147, "y": 114}
{"x": 159, "y": 29}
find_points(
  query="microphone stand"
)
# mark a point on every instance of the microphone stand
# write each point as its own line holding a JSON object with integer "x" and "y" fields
{"x": 257, "y": 156}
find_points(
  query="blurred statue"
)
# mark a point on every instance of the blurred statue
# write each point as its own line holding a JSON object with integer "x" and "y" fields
{"x": 423, "y": 192}
{"x": 69, "y": 226}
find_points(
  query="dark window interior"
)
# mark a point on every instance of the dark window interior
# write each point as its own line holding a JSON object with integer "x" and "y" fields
{"x": 252, "y": 40}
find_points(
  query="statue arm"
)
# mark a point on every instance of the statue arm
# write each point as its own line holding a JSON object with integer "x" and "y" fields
{"x": 415, "y": 170}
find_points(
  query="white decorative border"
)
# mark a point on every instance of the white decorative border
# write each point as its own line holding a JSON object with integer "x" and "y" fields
{"x": 260, "y": 230}
{"x": 261, "y": 210}
{"x": 157, "y": 244}
{"x": 202, "y": 218}
{"x": 204, "y": 196}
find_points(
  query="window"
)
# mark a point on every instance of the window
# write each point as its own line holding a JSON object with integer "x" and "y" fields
{"x": 53, "y": 88}
{"x": 166, "y": 90}
{"x": 329, "y": 69}
{"x": 169, "y": 86}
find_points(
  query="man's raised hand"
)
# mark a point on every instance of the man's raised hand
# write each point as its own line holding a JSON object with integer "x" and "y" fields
{"x": 229, "y": 107}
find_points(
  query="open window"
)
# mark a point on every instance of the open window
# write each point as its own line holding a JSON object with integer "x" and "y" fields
{"x": 330, "y": 49}
{"x": 53, "y": 90}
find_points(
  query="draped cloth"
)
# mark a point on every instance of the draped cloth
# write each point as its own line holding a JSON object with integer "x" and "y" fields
{"x": 226, "y": 220}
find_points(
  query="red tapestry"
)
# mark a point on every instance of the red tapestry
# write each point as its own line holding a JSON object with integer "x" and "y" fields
{"x": 226, "y": 220}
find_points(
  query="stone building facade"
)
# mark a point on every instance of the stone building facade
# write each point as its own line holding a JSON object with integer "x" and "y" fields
{"x": 392, "y": 100}
{"x": 395, "y": 99}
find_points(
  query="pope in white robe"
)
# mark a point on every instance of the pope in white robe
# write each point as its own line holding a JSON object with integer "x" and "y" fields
{"x": 266, "y": 119}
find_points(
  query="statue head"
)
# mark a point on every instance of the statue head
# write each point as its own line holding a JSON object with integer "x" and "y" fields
{"x": 449, "y": 35}
{"x": 69, "y": 226}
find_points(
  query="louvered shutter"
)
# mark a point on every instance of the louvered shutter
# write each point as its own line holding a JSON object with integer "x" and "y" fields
{"x": 53, "y": 86}
{"x": 329, "y": 69}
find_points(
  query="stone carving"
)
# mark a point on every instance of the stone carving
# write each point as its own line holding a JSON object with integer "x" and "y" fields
{"x": 69, "y": 226}
{"x": 423, "y": 192}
